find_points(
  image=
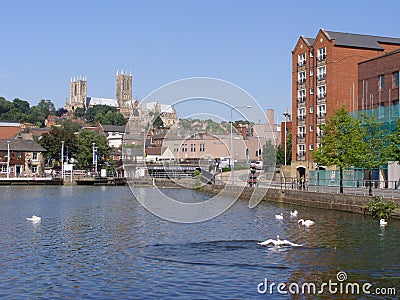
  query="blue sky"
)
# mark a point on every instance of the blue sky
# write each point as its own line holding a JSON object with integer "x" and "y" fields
{"x": 248, "y": 43}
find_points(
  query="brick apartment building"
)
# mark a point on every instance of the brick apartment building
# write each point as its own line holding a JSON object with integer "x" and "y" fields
{"x": 378, "y": 81}
{"x": 325, "y": 78}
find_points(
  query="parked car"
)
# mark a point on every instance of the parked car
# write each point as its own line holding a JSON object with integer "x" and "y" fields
{"x": 257, "y": 164}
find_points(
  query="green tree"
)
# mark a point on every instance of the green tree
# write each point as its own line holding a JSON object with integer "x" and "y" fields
{"x": 394, "y": 139}
{"x": 341, "y": 143}
{"x": 46, "y": 107}
{"x": 4, "y": 105}
{"x": 21, "y": 105}
{"x": 70, "y": 126}
{"x": 92, "y": 111}
{"x": 375, "y": 149}
{"x": 51, "y": 141}
{"x": 79, "y": 112}
{"x": 269, "y": 154}
{"x": 86, "y": 139}
{"x": 158, "y": 122}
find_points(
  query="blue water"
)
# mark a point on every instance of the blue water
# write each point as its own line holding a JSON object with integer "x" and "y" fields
{"x": 99, "y": 243}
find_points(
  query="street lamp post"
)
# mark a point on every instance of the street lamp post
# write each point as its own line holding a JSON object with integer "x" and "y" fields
{"x": 286, "y": 115}
{"x": 94, "y": 160}
{"x": 232, "y": 159}
{"x": 8, "y": 159}
{"x": 62, "y": 159}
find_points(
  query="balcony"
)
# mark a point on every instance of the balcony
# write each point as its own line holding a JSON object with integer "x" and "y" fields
{"x": 321, "y": 79}
{"x": 321, "y": 60}
{"x": 301, "y": 155}
{"x": 301, "y": 84}
{"x": 321, "y": 118}
{"x": 301, "y": 138}
{"x": 301, "y": 66}
{"x": 301, "y": 120}
{"x": 301, "y": 101}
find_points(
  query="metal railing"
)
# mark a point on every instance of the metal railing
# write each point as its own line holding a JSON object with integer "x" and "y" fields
{"x": 385, "y": 189}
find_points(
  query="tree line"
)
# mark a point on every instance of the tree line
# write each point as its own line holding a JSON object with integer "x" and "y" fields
{"x": 21, "y": 111}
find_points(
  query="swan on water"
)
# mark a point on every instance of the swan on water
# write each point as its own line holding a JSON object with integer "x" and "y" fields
{"x": 279, "y": 217}
{"x": 34, "y": 218}
{"x": 306, "y": 223}
{"x": 278, "y": 242}
{"x": 294, "y": 213}
{"x": 382, "y": 222}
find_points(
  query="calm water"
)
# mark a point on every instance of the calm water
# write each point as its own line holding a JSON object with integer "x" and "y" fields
{"x": 99, "y": 243}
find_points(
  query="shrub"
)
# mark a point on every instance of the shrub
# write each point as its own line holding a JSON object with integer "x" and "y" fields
{"x": 380, "y": 209}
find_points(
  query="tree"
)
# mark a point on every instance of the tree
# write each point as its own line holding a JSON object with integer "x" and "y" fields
{"x": 86, "y": 139}
{"x": 92, "y": 111}
{"x": 70, "y": 126}
{"x": 51, "y": 141}
{"x": 394, "y": 139}
{"x": 269, "y": 154}
{"x": 79, "y": 112}
{"x": 375, "y": 149}
{"x": 341, "y": 143}
{"x": 59, "y": 112}
{"x": 46, "y": 107}
{"x": 158, "y": 122}
{"x": 4, "y": 105}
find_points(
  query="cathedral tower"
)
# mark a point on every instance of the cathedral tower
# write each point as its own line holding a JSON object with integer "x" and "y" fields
{"x": 124, "y": 90}
{"x": 78, "y": 94}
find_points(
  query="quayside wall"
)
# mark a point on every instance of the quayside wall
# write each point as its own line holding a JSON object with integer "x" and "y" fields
{"x": 340, "y": 202}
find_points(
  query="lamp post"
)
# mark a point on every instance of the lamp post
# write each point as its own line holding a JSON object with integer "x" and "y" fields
{"x": 62, "y": 159}
{"x": 94, "y": 158}
{"x": 8, "y": 159}
{"x": 232, "y": 160}
{"x": 286, "y": 115}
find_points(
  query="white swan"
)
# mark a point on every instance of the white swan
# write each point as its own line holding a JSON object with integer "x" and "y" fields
{"x": 278, "y": 242}
{"x": 34, "y": 218}
{"x": 294, "y": 213}
{"x": 279, "y": 217}
{"x": 306, "y": 223}
{"x": 382, "y": 222}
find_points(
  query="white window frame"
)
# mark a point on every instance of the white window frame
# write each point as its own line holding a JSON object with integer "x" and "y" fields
{"x": 301, "y": 131}
{"x": 302, "y": 113}
{"x": 321, "y": 72}
{"x": 302, "y": 149}
{"x": 321, "y": 53}
{"x": 321, "y": 91}
{"x": 35, "y": 156}
{"x": 301, "y": 59}
{"x": 302, "y": 95}
{"x": 302, "y": 77}
{"x": 321, "y": 110}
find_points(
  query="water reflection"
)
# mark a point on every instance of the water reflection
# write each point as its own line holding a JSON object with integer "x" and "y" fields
{"x": 101, "y": 243}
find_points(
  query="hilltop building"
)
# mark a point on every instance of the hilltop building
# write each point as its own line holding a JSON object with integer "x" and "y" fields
{"x": 325, "y": 78}
{"x": 123, "y": 101}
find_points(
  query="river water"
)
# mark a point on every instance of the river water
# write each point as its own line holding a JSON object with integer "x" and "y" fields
{"x": 100, "y": 243}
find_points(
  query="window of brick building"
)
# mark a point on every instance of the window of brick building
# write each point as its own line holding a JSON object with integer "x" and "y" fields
{"x": 302, "y": 59}
{"x": 396, "y": 79}
{"x": 381, "y": 82}
{"x": 321, "y": 53}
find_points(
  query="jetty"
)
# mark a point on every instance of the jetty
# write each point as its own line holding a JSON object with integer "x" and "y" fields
{"x": 31, "y": 181}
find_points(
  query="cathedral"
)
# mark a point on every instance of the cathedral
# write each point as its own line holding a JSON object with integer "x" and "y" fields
{"x": 143, "y": 114}
{"x": 123, "y": 101}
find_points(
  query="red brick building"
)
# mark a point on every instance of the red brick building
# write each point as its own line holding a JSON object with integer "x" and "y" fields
{"x": 324, "y": 78}
{"x": 378, "y": 81}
